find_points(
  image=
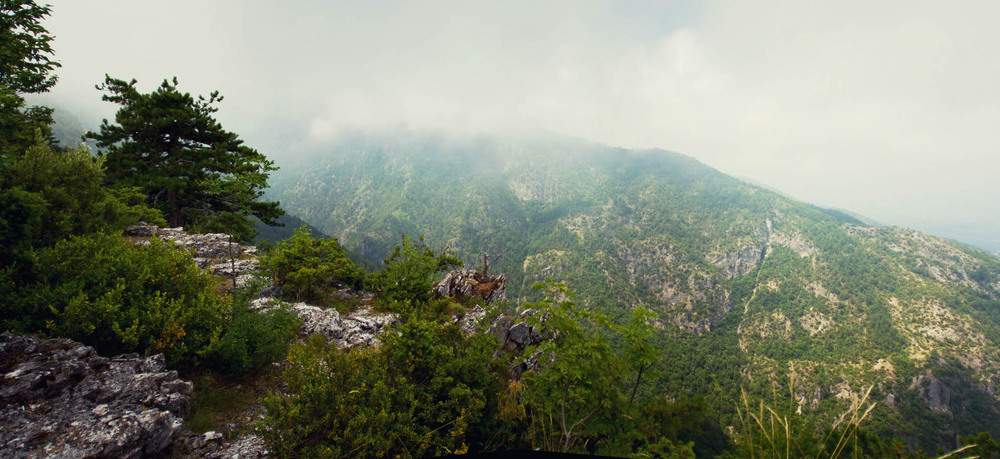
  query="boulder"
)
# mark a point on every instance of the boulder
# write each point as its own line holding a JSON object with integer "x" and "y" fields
{"x": 142, "y": 229}
{"x": 516, "y": 336}
{"x": 472, "y": 284}
{"x": 58, "y": 398}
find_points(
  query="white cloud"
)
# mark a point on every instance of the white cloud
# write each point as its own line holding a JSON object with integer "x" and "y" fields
{"x": 885, "y": 108}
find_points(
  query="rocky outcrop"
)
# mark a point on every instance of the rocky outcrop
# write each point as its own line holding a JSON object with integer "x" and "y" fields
{"x": 940, "y": 260}
{"x": 740, "y": 262}
{"x": 58, "y": 398}
{"x": 471, "y": 283}
{"x": 215, "y": 252}
{"x": 935, "y": 393}
{"x": 211, "y": 445}
{"x": 795, "y": 241}
{"x": 469, "y": 321}
{"x": 515, "y": 337}
{"x": 361, "y": 327}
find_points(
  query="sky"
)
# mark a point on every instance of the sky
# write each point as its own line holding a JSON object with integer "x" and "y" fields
{"x": 890, "y": 109}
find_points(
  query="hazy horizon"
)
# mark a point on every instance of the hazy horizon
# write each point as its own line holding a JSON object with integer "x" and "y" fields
{"x": 888, "y": 110}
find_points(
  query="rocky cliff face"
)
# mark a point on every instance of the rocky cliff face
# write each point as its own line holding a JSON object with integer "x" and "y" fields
{"x": 58, "y": 398}
{"x": 474, "y": 284}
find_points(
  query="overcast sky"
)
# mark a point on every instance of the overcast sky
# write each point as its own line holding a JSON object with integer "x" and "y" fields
{"x": 888, "y": 108}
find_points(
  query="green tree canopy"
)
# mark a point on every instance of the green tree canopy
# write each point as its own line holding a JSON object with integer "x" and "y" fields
{"x": 48, "y": 195}
{"x": 25, "y": 63}
{"x": 198, "y": 174}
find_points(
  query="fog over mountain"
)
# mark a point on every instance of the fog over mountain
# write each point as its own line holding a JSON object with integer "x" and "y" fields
{"x": 889, "y": 110}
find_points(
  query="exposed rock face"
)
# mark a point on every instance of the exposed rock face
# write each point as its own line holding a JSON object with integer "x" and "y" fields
{"x": 58, "y": 398}
{"x": 942, "y": 261}
{"x": 515, "y": 336}
{"x": 245, "y": 447}
{"x": 469, "y": 322}
{"x": 215, "y": 252}
{"x": 796, "y": 242}
{"x": 211, "y": 445}
{"x": 740, "y": 262}
{"x": 473, "y": 284}
{"x": 933, "y": 392}
{"x": 360, "y": 328}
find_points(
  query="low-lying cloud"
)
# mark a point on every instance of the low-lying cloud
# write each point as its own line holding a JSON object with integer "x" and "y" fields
{"x": 885, "y": 108}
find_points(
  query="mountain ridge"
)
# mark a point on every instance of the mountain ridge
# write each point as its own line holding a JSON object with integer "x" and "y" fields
{"x": 770, "y": 285}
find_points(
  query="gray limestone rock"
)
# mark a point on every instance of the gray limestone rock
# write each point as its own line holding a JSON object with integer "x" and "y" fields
{"x": 58, "y": 398}
{"x": 142, "y": 229}
{"x": 469, "y": 322}
{"x": 360, "y": 328}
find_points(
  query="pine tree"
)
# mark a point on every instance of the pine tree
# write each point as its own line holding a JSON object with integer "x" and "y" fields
{"x": 197, "y": 173}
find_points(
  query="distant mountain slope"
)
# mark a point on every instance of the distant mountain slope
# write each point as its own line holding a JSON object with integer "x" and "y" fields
{"x": 68, "y": 130}
{"x": 750, "y": 286}
{"x": 272, "y": 234}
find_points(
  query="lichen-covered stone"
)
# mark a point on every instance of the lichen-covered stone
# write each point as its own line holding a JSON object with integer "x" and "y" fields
{"x": 58, "y": 398}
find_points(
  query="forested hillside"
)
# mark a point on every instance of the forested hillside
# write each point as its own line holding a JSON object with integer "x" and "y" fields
{"x": 751, "y": 288}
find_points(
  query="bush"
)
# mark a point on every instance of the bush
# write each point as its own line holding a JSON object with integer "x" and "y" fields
{"x": 408, "y": 275}
{"x": 47, "y": 195}
{"x": 251, "y": 338}
{"x": 308, "y": 268}
{"x": 70, "y": 184}
{"x": 108, "y": 293}
{"x": 21, "y": 215}
{"x": 427, "y": 391}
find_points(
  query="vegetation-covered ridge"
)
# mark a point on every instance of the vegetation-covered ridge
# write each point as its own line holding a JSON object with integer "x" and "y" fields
{"x": 747, "y": 285}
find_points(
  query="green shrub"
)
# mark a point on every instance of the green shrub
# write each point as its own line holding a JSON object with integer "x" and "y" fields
{"x": 108, "y": 293}
{"x": 21, "y": 216}
{"x": 75, "y": 201}
{"x": 408, "y": 275}
{"x": 309, "y": 269}
{"x": 251, "y": 338}
{"x": 428, "y": 390}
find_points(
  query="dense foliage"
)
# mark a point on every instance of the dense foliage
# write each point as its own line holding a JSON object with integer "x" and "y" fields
{"x": 108, "y": 293}
{"x": 426, "y": 391}
{"x": 65, "y": 269}
{"x": 49, "y": 195}
{"x": 25, "y": 63}
{"x": 309, "y": 268}
{"x": 429, "y": 389}
{"x": 409, "y": 272}
{"x": 169, "y": 145}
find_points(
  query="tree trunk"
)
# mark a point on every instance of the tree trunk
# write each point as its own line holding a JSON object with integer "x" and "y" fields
{"x": 174, "y": 218}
